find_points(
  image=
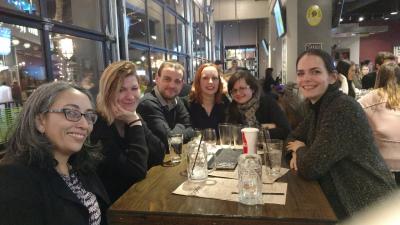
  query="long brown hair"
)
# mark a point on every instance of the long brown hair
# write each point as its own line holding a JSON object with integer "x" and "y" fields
{"x": 195, "y": 93}
{"x": 388, "y": 82}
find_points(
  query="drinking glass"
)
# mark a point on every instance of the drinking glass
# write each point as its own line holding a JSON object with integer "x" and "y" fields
{"x": 175, "y": 143}
{"x": 273, "y": 156}
{"x": 263, "y": 138}
{"x": 210, "y": 136}
{"x": 225, "y": 135}
{"x": 237, "y": 136}
{"x": 197, "y": 162}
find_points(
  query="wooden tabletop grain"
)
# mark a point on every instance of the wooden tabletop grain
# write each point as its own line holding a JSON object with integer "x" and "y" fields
{"x": 151, "y": 202}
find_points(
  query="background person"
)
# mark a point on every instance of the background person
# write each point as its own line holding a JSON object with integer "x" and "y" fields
{"x": 129, "y": 147}
{"x": 334, "y": 144}
{"x": 346, "y": 69}
{"x": 382, "y": 107}
{"x": 47, "y": 177}
{"x": 250, "y": 109}
{"x": 368, "y": 81}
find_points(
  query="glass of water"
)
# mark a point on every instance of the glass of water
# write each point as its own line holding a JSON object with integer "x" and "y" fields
{"x": 175, "y": 143}
{"x": 273, "y": 156}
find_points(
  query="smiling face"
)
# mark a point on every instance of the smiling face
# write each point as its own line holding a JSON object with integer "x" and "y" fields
{"x": 313, "y": 77}
{"x": 209, "y": 81}
{"x": 241, "y": 91}
{"x": 66, "y": 136}
{"x": 129, "y": 93}
{"x": 169, "y": 83}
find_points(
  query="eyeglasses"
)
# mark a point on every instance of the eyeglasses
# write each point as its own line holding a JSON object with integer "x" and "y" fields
{"x": 74, "y": 115}
{"x": 241, "y": 89}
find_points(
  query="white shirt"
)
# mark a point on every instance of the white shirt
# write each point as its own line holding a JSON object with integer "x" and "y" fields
{"x": 5, "y": 94}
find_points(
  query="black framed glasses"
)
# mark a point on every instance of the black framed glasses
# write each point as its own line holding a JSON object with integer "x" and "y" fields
{"x": 241, "y": 89}
{"x": 75, "y": 115}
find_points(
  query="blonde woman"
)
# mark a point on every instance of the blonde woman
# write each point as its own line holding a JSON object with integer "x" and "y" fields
{"x": 382, "y": 107}
{"x": 129, "y": 146}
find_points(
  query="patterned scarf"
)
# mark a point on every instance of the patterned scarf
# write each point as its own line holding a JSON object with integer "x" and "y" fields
{"x": 248, "y": 111}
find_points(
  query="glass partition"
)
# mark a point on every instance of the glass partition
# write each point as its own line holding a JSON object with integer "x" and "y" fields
{"x": 77, "y": 60}
{"x": 156, "y": 27}
{"x": 83, "y": 13}
{"x": 170, "y": 31}
{"x": 136, "y": 20}
{"x": 141, "y": 58}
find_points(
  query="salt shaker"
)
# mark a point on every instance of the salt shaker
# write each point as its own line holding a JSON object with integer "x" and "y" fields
{"x": 250, "y": 181}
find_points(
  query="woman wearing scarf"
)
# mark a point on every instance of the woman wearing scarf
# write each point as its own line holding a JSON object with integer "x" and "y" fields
{"x": 253, "y": 110}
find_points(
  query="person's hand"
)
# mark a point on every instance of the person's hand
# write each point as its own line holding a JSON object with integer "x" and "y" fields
{"x": 123, "y": 114}
{"x": 294, "y": 145}
{"x": 293, "y": 162}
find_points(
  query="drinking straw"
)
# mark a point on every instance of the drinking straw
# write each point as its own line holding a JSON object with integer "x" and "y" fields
{"x": 266, "y": 153}
{"x": 197, "y": 153}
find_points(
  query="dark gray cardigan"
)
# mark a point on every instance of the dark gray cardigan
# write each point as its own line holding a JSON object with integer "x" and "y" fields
{"x": 340, "y": 153}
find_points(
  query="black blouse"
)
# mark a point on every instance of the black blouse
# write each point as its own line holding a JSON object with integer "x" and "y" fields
{"x": 201, "y": 120}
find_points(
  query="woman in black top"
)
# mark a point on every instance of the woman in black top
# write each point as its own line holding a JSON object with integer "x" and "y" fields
{"x": 47, "y": 175}
{"x": 205, "y": 104}
{"x": 129, "y": 147}
{"x": 347, "y": 69}
{"x": 250, "y": 109}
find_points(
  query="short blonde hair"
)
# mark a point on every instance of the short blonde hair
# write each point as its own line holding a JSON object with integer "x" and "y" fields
{"x": 110, "y": 83}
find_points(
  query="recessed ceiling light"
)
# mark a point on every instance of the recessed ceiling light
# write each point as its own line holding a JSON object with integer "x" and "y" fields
{"x": 386, "y": 18}
{"x": 360, "y": 19}
{"x": 394, "y": 13}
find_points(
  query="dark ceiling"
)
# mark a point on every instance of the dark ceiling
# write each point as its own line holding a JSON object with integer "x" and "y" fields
{"x": 371, "y": 10}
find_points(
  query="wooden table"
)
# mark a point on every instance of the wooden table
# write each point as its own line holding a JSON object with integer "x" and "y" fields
{"x": 151, "y": 202}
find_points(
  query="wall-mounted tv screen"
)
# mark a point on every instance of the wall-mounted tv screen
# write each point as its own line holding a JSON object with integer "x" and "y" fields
{"x": 278, "y": 13}
{"x": 265, "y": 46}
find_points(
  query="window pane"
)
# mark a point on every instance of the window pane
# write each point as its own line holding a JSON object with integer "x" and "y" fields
{"x": 171, "y": 3}
{"x": 170, "y": 31}
{"x": 180, "y": 9}
{"x": 201, "y": 22}
{"x": 21, "y": 60}
{"x": 76, "y": 12}
{"x": 136, "y": 20}
{"x": 21, "y": 71}
{"x": 77, "y": 60}
{"x": 156, "y": 58}
{"x": 140, "y": 58}
{"x": 181, "y": 36}
{"x": 29, "y": 7}
{"x": 156, "y": 24}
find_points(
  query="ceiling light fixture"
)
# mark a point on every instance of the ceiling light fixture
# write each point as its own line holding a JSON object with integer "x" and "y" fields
{"x": 394, "y": 13}
{"x": 360, "y": 19}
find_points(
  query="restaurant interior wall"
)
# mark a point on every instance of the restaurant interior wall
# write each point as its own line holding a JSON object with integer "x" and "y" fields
{"x": 372, "y": 44}
{"x": 347, "y": 44}
{"x": 263, "y": 59}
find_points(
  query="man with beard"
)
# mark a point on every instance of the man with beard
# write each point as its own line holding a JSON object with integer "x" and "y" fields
{"x": 163, "y": 111}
